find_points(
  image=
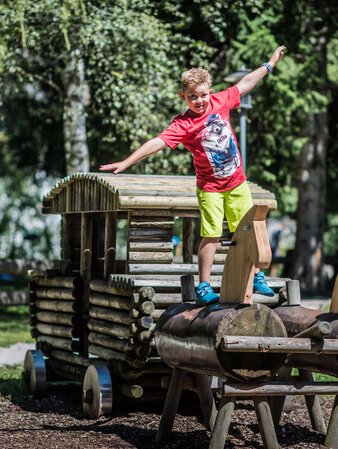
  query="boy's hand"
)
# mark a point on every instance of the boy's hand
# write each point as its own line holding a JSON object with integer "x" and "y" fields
{"x": 277, "y": 55}
{"x": 115, "y": 167}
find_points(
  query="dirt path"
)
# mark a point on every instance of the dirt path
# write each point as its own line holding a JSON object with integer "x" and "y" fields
{"x": 15, "y": 354}
{"x": 56, "y": 421}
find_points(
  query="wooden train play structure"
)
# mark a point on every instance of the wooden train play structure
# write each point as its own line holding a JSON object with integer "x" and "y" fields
{"x": 126, "y": 325}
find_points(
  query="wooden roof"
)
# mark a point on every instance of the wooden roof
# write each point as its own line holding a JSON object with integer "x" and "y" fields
{"x": 101, "y": 192}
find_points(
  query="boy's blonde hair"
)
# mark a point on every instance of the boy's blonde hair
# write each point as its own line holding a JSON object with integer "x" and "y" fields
{"x": 195, "y": 77}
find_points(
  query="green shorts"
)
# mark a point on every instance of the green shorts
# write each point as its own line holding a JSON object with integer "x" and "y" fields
{"x": 214, "y": 206}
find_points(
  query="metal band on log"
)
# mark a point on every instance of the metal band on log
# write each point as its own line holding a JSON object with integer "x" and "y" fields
{"x": 189, "y": 338}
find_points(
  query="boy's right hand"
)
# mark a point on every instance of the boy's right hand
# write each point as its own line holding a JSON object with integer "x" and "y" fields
{"x": 115, "y": 167}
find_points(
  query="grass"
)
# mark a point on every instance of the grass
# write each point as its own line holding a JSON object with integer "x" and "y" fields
{"x": 14, "y": 326}
{"x": 11, "y": 385}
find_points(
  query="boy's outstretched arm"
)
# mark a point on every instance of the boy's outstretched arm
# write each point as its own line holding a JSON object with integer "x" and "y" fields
{"x": 152, "y": 146}
{"x": 248, "y": 82}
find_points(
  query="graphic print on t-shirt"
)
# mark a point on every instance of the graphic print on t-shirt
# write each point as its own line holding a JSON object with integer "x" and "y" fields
{"x": 220, "y": 146}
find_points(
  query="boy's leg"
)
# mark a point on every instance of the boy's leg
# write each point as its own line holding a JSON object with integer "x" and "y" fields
{"x": 212, "y": 215}
{"x": 237, "y": 203}
{"x": 206, "y": 255}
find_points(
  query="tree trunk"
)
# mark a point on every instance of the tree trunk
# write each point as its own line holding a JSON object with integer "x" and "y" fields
{"x": 308, "y": 257}
{"x": 74, "y": 119}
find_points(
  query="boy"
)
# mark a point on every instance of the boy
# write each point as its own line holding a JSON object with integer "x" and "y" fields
{"x": 205, "y": 130}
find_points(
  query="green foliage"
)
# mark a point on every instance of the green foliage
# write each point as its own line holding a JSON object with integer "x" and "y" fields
{"x": 14, "y": 326}
{"x": 11, "y": 385}
{"x": 134, "y": 53}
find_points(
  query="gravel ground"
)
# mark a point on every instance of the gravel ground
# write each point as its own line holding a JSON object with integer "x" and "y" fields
{"x": 56, "y": 421}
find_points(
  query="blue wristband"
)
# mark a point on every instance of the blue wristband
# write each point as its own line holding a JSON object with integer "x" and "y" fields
{"x": 268, "y": 66}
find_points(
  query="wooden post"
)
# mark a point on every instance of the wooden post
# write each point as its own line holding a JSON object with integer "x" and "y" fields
{"x": 222, "y": 424}
{"x": 293, "y": 293}
{"x": 188, "y": 242}
{"x": 65, "y": 244}
{"x": 206, "y": 398}
{"x": 171, "y": 405}
{"x": 188, "y": 288}
{"x": 85, "y": 272}
{"x": 265, "y": 422}
{"x": 277, "y": 402}
{"x": 110, "y": 243}
{"x": 331, "y": 439}
{"x": 313, "y": 405}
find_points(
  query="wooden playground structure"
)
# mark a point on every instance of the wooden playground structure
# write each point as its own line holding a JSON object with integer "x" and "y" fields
{"x": 129, "y": 327}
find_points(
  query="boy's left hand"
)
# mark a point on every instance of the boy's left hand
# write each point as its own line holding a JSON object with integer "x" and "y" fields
{"x": 277, "y": 55}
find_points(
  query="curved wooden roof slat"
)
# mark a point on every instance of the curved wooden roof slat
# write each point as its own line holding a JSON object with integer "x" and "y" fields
{"x": 132, "y": 192}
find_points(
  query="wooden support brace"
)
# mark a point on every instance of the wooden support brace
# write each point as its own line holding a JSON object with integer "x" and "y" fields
{"x": 313, "y": 405}
{"x": 265, "y": 423}
{"x": 252, "y": 250}
{"x": 331, "y": 439}
{"x": 171, "y": 405}
{"x": 222, "y": 424}
{"x": 203, "y": 386}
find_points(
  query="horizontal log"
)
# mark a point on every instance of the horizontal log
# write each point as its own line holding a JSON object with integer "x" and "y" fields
{"x": 280, "y": 389}
{"x": 113, "y": 315}
{"x": 165, "y": 300}
{"x": 14, "y": 297}
{"x": 58, "y": 331}
{"x": 131, "y": 391}
{"x": 150, "y": 222}
{"x": 47, "y": 343}
{"x": 150, "y": 257}
{"x": 104, "y": 327}
{"x": 110, "y": 342}
{"x": 171, "y": 268}
{"x": 188, "y": 338}
{"x": 317, "y": 330}
{"x": 67, "y": 370}
{"x": 151, "y": 234}
{"x": 59, "y": 281}
{"x": 75, "y": 359}
{"x": 119, "y": 344}
{"x": 58, "y": 306}
{"x": 110, "y": 354}
{"x": 58, "y": 318}
{"x": 109, "y": 300}
{"x": 151, "y": 246}
{"x": 58, "y": 293}
{"x": 102, "y": 286}
{"x": 242, "y": 343}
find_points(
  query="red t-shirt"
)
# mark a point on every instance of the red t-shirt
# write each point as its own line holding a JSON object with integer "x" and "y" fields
{"x": 212, "y": 141}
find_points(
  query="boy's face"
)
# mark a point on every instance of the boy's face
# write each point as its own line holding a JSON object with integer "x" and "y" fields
{"x": 197, "y": 98}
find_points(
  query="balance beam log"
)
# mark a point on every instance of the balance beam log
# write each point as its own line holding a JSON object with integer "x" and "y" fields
{"x": 189, "y": 337}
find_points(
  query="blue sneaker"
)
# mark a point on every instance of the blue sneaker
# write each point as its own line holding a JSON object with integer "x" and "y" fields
{"x": 260, "y": 286}
{"x": 205, "y": 294}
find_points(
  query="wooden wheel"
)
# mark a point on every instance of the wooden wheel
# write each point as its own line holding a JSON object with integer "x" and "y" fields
{"x": 34, "y": 374}
{"x": 97, "y": 392}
